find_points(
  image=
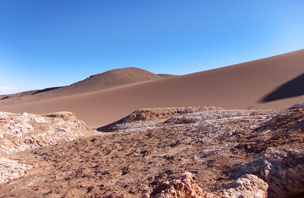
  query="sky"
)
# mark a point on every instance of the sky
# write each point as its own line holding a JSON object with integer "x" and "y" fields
{"x": 58, "y": 42}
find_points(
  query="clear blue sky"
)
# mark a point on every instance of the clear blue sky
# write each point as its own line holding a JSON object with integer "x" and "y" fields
{"x": 46, "y": 43}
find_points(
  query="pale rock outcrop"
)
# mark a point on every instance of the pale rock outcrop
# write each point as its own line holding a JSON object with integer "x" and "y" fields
{"x": 152, "y": 118}
{"x": 247, "y": 186}
{"x": 177, "y": 188}
{"x": 11, "y": 169}
{"x": 283, "y": 170}
{"x": 19, "y": 132}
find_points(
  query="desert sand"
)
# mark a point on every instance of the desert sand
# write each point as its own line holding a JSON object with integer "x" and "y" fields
{"x": 269, "y": 83}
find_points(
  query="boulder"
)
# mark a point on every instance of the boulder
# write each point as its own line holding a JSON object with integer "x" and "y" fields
{"x": 184, "y": 186}
{"x": 19, "y": 132}
{"x": 283, "y": 170}
{"x": 247, "y": 186}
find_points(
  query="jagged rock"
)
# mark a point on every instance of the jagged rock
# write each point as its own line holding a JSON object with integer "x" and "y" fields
{"x": 177, "y": 188}
{"x": 296, "y": 106}
{"x": 158, "y": 113}
{"x": 248, "y": 186}
{"x": 27, "y": 131}
{"x": 19, "y": 132}
{"x": 149, "y": 117}
{"x": 282, "y": 170}
{"x": 152, "y": 118}
{"x": 65, "y": 115}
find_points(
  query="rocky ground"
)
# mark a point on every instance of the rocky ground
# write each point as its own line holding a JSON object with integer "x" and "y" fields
{"x": 27, "y": 131}
{"x": 171, "y": 152}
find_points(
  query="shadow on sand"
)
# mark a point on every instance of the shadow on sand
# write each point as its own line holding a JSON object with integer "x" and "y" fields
{"x": 292, "y": 88}
{"x": 45, "y": 90}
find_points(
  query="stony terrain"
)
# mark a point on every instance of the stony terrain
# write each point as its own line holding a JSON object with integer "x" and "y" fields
{"x": 172, "y": 152}
{"x": 27, "y": 131}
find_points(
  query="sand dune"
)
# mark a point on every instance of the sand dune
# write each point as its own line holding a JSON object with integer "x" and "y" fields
{"x": 105, "y": 80}
{"x": 238, "y": 86}
{"x": 17, "y": 95}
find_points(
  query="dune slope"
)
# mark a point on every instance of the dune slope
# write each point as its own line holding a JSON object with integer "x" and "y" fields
{"x": 105, "y": 80}
{"x": 238, "y": 86}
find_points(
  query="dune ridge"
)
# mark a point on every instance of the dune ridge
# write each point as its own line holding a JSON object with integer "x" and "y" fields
{"x": 97, "y": 82}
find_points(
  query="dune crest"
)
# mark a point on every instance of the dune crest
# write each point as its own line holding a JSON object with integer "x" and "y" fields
{"x": 97, "y": 82}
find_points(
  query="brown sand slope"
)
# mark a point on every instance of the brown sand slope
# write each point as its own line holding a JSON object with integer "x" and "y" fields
{"x": 239, "y": 86}
{"x": 17, "y": 95}
{"x": 108, "y": 79}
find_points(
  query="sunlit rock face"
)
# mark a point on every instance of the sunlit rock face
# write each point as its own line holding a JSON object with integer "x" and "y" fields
{"x": 19, "y": 132}
{"x": 248, "y": 186}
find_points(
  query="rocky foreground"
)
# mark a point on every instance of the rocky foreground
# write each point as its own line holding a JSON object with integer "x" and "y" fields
{"x": 27, "y": 131}
{"x": 170, "y": 152}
